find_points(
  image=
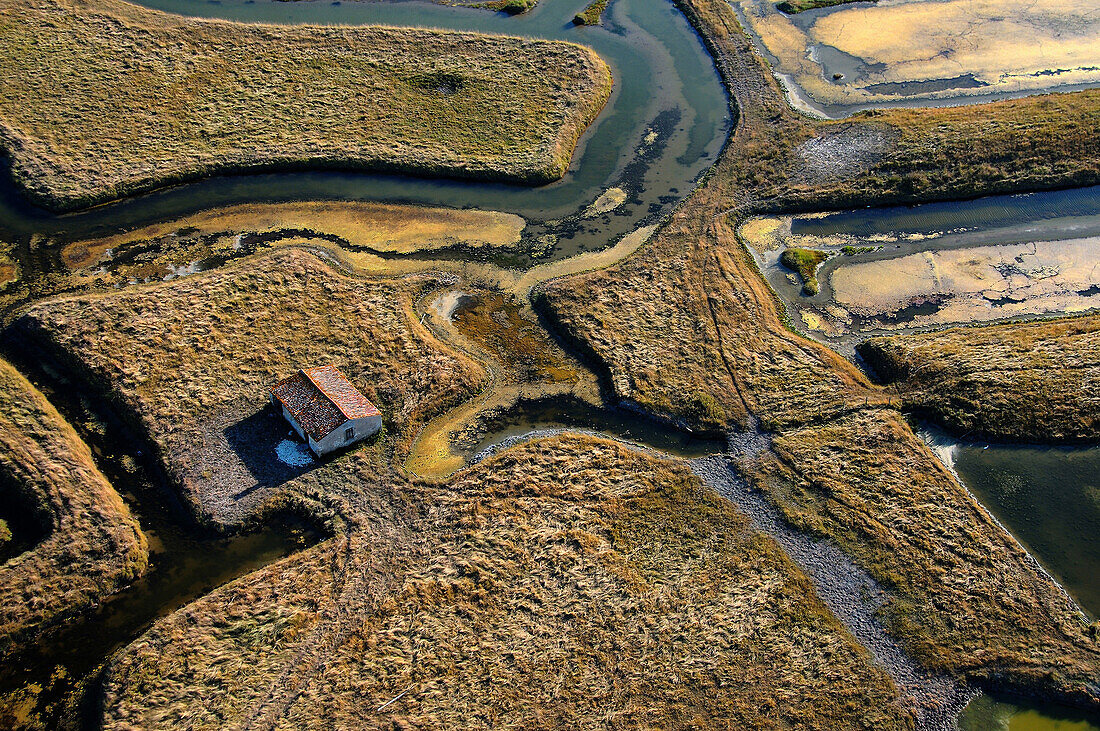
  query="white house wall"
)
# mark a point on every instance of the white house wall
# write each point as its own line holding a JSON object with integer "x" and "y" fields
{"x": 365, "y": 427}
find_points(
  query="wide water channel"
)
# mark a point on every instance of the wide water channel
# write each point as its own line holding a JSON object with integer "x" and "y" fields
{"x": 662, "y": 128}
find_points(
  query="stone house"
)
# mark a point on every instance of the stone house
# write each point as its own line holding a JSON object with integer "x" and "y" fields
{"x": 326, "y": 410}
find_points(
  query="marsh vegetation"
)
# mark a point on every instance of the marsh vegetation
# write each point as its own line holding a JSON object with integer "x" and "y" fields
{"x": 581, "y": 581}
{"x": 102, "y": 102}
{"x": 77, "y": 541}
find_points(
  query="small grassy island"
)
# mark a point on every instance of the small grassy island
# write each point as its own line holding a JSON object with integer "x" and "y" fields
{"x": 104, "y": 100}
{"x": 790, "y": 7}
{"x": 592, "y": 13}
{"x": 805, "y": 262}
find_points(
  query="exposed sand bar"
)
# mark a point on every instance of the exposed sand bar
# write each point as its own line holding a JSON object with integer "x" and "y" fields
{"x": 863, "y": 55}
{"x": 976, "y": 284}
{"x": 381, "y": 227}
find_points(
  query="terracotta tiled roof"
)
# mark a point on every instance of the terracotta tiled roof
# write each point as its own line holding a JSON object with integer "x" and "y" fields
{"x": 321, "y": 399}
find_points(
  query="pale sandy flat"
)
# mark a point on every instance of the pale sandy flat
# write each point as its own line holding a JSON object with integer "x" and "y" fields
{"x": 976, "y": 284}
{"x": 1006, "y": 46}
{"x": 380, "y": 226}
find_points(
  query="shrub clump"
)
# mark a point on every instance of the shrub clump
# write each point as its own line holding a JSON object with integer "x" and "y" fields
{"x": 592, "y": 13}
{"x": 805, "y": 262}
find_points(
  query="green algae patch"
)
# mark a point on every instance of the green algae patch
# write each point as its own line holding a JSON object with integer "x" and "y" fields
{"x": 790, "y": 7}
{"x": 805, "y": 262}
{"x": 108, "y": 99}
{"x": 592, "y": 13}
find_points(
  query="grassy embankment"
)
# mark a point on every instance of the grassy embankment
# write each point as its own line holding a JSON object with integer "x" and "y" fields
{"x": 1033, "y": 381}
{"x": 381, "y": 228}
{"x": 102, "y": 100}
{"x": 567, "y": 582}
{"x": 1033, "y": 143}
{"x": 191, "y": 358}
{"x": 790, "y": 7}
{"x": 687, "y": 321}
{"x": 85, "y": 544}
{"x": 581, "y": 582}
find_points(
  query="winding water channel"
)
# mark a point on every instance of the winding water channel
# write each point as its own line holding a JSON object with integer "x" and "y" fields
{"x": 662, "y": 129}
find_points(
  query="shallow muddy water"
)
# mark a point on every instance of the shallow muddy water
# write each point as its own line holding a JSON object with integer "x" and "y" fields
{"x": 988, "y": 713}
{"x": 664, "y": 125}
{"x": 530, "y": 418}
{"x": 945, "y": 260}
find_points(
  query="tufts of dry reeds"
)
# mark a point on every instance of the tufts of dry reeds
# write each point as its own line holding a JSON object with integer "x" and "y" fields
{"x": 105, "y": 99}
{"x": 565, "y": 582}
{"x": 1032, "y": 381}
{"x": 88, "y": 543}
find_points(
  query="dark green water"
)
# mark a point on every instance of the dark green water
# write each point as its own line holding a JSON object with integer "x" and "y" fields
{"x": 1049, "y": 498}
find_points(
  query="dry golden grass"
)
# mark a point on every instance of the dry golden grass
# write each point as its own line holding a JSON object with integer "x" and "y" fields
{"x": 962, "y": 152}
{"x": 92, "y": 544}
{"x": 1034, "y": 381}
{"x": 9, "y": 268}
{"x": 686, "y": 326}
{"x": 566, "y": 582}
{"x": 966, "y": 598}
{"x": 105, "y": 99}
{"x": 192, "y": 359}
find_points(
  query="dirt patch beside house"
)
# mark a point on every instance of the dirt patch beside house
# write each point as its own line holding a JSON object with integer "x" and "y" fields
{"x": 192, "y": 359}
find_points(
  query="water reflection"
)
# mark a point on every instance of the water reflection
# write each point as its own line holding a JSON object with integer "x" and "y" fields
{"x": 987, "y": 713}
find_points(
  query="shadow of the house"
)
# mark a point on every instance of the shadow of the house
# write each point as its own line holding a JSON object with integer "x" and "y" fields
{"x": 269, "y": 449}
